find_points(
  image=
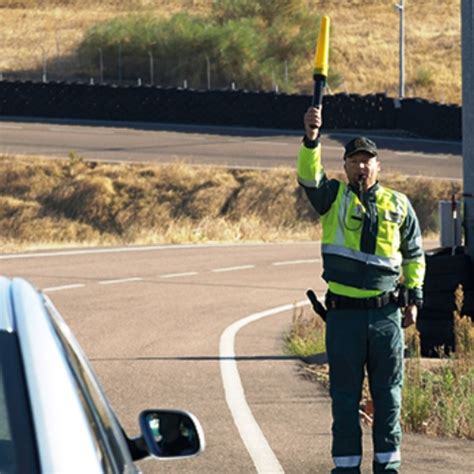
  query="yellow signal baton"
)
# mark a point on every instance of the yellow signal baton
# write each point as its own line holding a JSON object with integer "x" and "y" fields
{"x": 321, "y": 62}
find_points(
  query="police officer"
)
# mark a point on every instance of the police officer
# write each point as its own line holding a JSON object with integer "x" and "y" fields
{"x": 371, "y": 242}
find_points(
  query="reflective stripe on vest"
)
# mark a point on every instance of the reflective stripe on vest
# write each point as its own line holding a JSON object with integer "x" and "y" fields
{"x": 343, "y": 225}
{"x": 368, "y": 258}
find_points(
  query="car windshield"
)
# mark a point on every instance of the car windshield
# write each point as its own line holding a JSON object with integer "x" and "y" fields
{"x": 17, "y": 447}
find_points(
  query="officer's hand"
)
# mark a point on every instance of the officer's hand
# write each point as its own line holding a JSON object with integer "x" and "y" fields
{"x": 411, "y": 312}
{"x": 312, "y": 118}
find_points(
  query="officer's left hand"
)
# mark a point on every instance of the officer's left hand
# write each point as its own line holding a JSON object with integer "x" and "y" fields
{"x": 411, "y": 312}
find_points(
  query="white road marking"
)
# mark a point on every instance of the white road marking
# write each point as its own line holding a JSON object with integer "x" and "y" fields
{"x": 122, "y": 280}
{"x": 177, "y": 275}
{"x": 254, "y": 440}
{"x": 64, "y": 287}
{"x": 81, "y": 131}
{"x": 332, "y": 147}
{"x": 267, "y": 143}
{"x": 10, "y": 127}
{"x": 296, "y": 262}
{"x": 424, "y": 155}
{"x": 398, "y": 139}
{"x": 67, "y": 253}
{"x": 232, "y": 269}
{"x": 325, "y": 147}
{"x": 166, "y": 128}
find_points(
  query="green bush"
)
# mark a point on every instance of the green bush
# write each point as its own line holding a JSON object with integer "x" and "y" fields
{"x": 424, "y": 77}
{"x": 251, "y": 43}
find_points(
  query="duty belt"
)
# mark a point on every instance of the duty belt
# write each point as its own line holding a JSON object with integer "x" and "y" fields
{"x": 345, "y": 302}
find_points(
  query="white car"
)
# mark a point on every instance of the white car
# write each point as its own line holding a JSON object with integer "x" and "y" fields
{"x": 54, "y": 416}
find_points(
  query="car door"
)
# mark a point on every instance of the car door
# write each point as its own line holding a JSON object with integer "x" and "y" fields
{"x": 108, "y": 434}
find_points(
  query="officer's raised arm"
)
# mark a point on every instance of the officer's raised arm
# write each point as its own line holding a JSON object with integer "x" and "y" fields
{"x": 312, "y": 178}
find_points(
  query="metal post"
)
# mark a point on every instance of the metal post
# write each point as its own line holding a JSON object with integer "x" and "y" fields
{"x": 286, "y": 74}
{"x": 58, "y": 49}
{"x": 152, "y": 68}
{"x": 119, "y": 62}
{"x": 45, "y": 65}
{"x": 467, "y": 30}
{"x": 61, "y": 70}
{"x": 101, "y": 65}
{"x": 208, "y": 67}
{"x": 401, "y": 9}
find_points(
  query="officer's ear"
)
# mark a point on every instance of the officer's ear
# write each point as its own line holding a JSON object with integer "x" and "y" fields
{"x": 378, "y": 166}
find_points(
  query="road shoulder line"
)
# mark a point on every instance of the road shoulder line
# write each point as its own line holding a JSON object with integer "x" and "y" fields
{"x": 64, "y": 287}
{"x": 252, "y": 436}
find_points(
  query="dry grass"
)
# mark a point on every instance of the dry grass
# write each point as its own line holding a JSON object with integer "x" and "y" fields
{"x": 73, "y": 202}
{"x": 54, "y": 28}
{"x": 364, "y": 39}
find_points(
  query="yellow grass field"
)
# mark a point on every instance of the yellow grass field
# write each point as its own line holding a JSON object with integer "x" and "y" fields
{"x": 364, "y": 39}
{"x": 64, "y": 202}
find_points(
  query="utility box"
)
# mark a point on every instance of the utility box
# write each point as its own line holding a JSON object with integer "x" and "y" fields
{"x": 450, "y": 223}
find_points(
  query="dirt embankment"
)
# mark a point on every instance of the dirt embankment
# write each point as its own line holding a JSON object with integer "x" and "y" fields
{"x": 71, "y": 202}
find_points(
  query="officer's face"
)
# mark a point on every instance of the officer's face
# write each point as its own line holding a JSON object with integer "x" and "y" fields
{"x": 362, "y": 168}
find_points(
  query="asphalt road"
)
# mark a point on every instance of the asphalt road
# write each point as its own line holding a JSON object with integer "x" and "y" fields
{"x": 158, "y": 324}
{"x": 248, "y": 148}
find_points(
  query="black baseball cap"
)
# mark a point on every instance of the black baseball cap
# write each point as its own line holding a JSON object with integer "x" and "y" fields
{"x": 360, "y": 144}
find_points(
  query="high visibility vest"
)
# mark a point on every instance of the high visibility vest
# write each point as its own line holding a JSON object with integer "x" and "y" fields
{"x": 365, "y": 250}
{"x": 342, "y": 236}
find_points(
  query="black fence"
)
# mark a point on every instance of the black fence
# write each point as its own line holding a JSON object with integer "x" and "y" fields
{"x": 225, "y": 107}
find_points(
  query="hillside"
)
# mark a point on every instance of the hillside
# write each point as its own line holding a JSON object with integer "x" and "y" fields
{"x": 364, "y": 40}
{"x": 50, "y": 203}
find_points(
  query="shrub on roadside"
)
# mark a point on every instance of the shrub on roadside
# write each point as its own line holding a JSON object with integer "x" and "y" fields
{"x": 440, "y": 401}
{"x": 246, "y": 43}
{"x": 307, "y": 334}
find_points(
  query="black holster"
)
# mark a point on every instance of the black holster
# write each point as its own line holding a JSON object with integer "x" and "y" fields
{"x": 401, "y": 295}
{"x": 318, "y": 307}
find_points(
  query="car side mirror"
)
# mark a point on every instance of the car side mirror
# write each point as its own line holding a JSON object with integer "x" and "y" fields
{"x": 171, "y": 433}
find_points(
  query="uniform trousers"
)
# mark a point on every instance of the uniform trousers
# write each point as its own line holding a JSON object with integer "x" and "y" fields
{"x": 356, "y": 340}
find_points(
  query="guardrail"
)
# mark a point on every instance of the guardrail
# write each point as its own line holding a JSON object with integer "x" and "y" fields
{"x": 225, "y": 107}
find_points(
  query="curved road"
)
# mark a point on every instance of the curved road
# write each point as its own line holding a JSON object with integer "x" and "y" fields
{"x": 157, "y": 323}
{"x": 235, "y": 147}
